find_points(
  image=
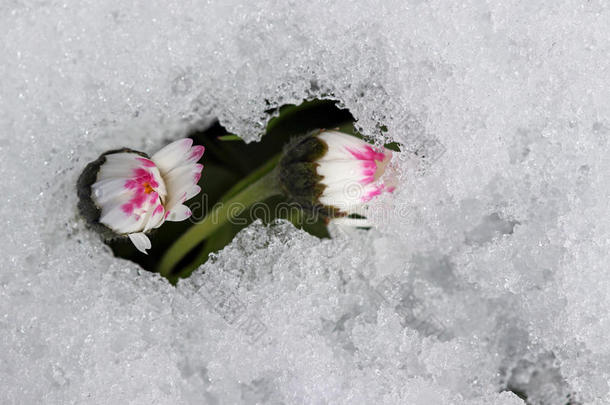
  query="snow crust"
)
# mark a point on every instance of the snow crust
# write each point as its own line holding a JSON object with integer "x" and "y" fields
{"x": 489, "y": 268}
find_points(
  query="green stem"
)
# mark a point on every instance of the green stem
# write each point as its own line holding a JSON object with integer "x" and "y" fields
{"x": 229, "y": 208}
{"x": 252, "y": 177}
{"x": 211, "y": 247}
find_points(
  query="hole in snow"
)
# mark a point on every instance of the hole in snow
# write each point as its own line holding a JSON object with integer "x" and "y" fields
{"x": 227, "y": 160}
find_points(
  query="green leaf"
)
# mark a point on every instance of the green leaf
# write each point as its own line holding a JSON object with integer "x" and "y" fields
{"x": 230, "y": 137}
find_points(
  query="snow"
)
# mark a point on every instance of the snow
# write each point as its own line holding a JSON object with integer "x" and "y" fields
{"x": 489, "y": 267}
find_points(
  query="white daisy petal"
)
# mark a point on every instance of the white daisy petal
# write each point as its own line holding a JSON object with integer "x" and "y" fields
{"x": 192, "y": 192}
{"x": 187, "y": 174}
{"x": 180, "y": 182}
{"x": 110, "y": 190}
{"x": 350, "y": 196}
{"x": 343, "y": 146}
{"x": 173, "y": 155}
{"x": 195, "y": 154}
{"x": 178, "y": 213}
{"x": 120, "y": 165}
{"x": 340, "y": 171}
{"x": 157, "y": 216}
{"x": 140, "y": 241}
{"x": 115, "y": 218}
{"x": 340, "y": 139}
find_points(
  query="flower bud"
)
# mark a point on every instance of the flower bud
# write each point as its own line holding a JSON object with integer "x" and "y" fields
{"x": 334, "y": 173}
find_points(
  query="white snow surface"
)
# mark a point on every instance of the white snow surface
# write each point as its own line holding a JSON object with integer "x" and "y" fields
{"x": 490, "y": 264}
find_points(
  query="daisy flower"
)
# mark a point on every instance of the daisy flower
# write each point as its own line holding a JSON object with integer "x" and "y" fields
{"x": 126, "y": 193}
{"x": 336, "y": 174}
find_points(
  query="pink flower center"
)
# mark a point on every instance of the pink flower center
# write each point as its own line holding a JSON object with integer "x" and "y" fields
{"x": 143, "y": 185}
{"x": 147, "y": 187}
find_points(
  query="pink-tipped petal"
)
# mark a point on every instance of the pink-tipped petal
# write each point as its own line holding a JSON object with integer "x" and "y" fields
{"x": 373, "y": 192}
{"x": 195, "y": 153}
{"x": 366, "y": 152}
{"x": 119, "y": 165}
{"x": 115, "y": 217}
{"x": 180, "y": 182}
{"x": 173, "y": 155}
{"x": 146, "y": 162}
